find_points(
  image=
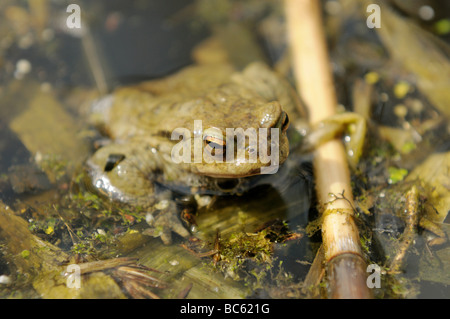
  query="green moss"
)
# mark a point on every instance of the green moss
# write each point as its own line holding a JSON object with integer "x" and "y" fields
{"x": 396, "y": 174}
{"x": 442, "y": 27}
{"x": 365, "y": 243}
{"x": 25, "y": 254}
{"x": 408, "y": 147}
{"x": 54, "y": 166}
{"x": 248, "y": 257}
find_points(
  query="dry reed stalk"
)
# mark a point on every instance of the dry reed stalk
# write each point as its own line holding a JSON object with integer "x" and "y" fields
{"x": 345, "y": 266}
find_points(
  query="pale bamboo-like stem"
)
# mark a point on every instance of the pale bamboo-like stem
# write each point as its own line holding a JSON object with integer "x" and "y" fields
{"x": 313, "y": 74}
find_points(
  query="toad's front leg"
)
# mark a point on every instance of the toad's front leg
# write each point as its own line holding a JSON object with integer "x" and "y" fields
{"x": 126, "y": 173}
{"x": 164, "y": 220}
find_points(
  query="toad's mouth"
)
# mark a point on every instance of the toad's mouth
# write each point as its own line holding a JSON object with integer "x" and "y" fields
{"x": 237, "y": 185}
{"x": 269, "y": 169}
{"x": 230, "y": 176}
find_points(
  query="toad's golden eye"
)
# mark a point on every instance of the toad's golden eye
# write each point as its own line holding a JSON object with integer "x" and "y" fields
{"x": 214, "y": 142}
{"x": 214, "y": 146}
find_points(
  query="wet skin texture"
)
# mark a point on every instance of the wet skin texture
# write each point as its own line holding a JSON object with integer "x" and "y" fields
{"x": 140, "y": 120}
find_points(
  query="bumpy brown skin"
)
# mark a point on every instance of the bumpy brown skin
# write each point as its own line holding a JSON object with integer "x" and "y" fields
{"x": 140, "y": 121}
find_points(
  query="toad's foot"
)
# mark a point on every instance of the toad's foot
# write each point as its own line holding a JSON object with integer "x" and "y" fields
{"x": 164, "y": 221}
{"x": 352, "y": 123}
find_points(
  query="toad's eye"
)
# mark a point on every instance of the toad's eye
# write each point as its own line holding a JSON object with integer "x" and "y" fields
{"x": 214, "y": 142}
{"x": 215, "y": 146}
{"x": 283, "y": 122}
